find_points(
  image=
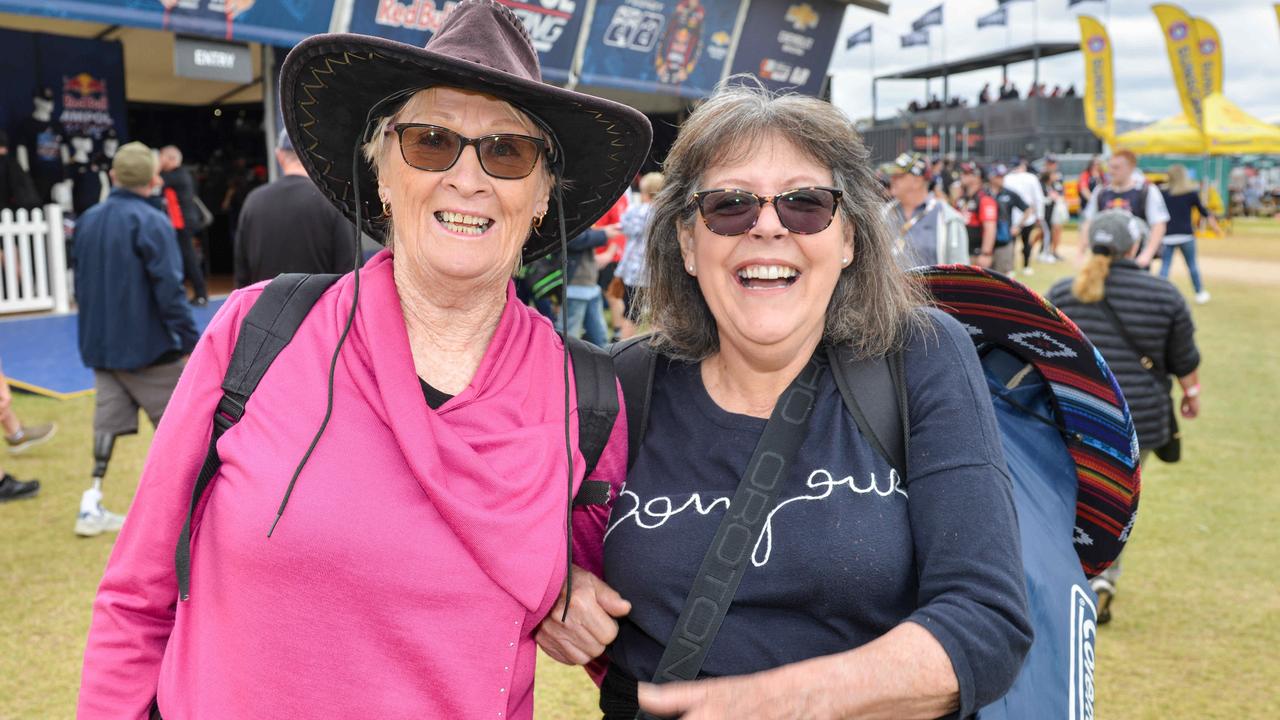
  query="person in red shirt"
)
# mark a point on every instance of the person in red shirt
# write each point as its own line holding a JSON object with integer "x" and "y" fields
{"x": 980, "y": 213}
{"x": 607, "y": 257}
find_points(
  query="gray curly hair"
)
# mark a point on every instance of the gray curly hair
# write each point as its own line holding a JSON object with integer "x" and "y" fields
{"x": 874, "y": 305}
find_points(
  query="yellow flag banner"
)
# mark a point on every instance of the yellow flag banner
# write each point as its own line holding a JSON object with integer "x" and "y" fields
{"x": 1099, "y": 85}
{"x": 1209, "y": 56}
{"x": 1180, "y": 39}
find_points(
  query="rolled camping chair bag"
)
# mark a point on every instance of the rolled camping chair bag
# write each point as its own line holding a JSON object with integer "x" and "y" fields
{"x": 1072, "y": 453}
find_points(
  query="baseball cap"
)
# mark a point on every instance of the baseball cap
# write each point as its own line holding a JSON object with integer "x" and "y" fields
{"x": 134, "y": 165}
{"x": 907, "y": 164}
{"x": 970, "y": 168}
{"x": 999, "y": 170}
{"x": 1114, "y": 232}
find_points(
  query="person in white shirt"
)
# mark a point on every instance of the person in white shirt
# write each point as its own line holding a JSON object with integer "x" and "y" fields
{"x": 1027, "y": 186}
{"x": 1129, "y": 190}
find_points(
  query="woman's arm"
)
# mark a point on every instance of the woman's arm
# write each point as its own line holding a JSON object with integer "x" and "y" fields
{"x": 904, "y": 674}
{"x": 134, "y": 610}
{"x": 581, "y": 636}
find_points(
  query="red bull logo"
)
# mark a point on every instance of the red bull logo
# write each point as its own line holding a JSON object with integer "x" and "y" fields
{"x": 86, "y": 108}
{"x": 83, "y": 85}
{"x": 1179, "y": 31}
{"x": 1097, "y": 43}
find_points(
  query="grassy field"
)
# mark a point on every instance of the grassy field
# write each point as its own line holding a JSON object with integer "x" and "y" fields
{"x": 1197, "y": 624}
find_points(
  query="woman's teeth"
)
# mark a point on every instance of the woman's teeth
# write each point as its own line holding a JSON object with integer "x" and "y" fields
{"x": 767, "y": 272}
{"x": 463, "y": 223}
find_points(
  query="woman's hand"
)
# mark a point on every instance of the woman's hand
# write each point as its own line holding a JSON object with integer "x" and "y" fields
{"x": 591, "y": 624}
{"x": 1190, "y": 407}
{"x": 762, "y": 696}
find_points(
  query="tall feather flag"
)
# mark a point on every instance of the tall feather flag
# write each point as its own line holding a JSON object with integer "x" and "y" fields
{"x": 1209, "y": 55}
{"x": 1180, "y": 39}
{"x": 1099, "y": 83}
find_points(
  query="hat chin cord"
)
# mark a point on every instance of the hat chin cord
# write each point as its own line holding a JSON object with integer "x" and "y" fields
{"x": 346, "y": 328}
{"x": 568, "y": 446}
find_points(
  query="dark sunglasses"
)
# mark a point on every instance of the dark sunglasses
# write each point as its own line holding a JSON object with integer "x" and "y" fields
{"x": 805, "y": 210}
{"x": 436, "y": 149}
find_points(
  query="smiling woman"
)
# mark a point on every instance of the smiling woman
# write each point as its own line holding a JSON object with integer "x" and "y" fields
{"x": 878, "y": 595}
{"x": 391, "y": 587}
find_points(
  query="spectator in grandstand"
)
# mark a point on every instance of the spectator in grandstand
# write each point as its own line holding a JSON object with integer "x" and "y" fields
{"x": 1181, "y": 197}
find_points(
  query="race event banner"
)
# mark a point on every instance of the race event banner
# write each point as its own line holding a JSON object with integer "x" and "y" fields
{"x": 277, "y": 22}
{"x": 1210, "y": 56}
{"x": 85, "y": 75}
{"x": 1099, "y": 84}
{"x": 554, "y": 25}
{"x": 676, "y": 47}
{"x": 1180, "y": 39}
{"x": 789, "y": 44}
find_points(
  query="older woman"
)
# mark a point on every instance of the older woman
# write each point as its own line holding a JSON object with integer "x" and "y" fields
{"x": 385, "y": 578}
{"x": 867, "y": 594}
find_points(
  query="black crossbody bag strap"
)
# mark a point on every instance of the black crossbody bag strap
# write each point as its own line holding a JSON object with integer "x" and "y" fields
{"x": 726, "y": 560}
{"x": 1148, "y": 363}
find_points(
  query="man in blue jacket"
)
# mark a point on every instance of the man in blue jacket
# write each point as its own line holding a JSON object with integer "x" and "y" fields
{"x": 136, "y": 327}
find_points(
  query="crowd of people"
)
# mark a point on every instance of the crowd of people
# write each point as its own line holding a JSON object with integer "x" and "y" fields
{"x": 767, "y": 246}
{"x": 1007, "y": 91}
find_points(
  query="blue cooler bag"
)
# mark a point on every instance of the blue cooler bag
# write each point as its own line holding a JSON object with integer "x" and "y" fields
{"x": 1072, "y": 453}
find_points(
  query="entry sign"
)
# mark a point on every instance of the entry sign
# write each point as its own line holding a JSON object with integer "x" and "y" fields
{"x": 210, "y": 60}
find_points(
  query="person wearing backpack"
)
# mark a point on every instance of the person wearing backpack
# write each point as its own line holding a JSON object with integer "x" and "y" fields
{"x": 1142, "y": 326}
{"x": 358, "y": 504}
{"x": 755, "y": 505}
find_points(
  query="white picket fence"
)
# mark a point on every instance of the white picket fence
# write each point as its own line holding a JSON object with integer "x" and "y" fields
{"x": 34, "y": 273}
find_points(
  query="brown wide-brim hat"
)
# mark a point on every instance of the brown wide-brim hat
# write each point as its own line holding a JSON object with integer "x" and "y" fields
{"x": 335, "y": 87}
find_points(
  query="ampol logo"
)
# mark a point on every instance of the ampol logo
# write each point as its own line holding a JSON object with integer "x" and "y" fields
{"x": 1208, "y": 46}
{"x": 1178, "y": 30}
{"x": 1097, "y": 43}
{"x": 802, "y": 17}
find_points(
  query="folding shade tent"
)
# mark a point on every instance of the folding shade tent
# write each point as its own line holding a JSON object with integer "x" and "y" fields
{"x": 1228, "y": 130}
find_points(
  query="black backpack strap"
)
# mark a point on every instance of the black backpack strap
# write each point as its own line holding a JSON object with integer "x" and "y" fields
{"x": 269, "y": 326}
{"x": 875, "y": 392}
{"x": 635, "y": 362}
{"x": 597, "y": 393}
{"x": 728, "y": 558}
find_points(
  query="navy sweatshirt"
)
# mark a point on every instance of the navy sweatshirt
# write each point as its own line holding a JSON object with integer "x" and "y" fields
{"x": 851, "y": 550}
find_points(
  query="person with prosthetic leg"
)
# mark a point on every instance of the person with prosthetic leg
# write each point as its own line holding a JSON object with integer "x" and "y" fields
{"x": 136, "y": 328}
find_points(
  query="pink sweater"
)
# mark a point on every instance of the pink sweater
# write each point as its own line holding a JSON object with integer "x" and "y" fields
{"x": 418, "y": 553}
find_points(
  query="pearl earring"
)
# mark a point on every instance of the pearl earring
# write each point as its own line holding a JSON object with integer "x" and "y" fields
{"x": 844, "y": 261}
{"x": 689, "y": 267}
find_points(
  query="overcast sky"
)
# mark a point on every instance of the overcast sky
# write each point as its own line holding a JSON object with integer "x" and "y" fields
{"x": 1144, "y": 83}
